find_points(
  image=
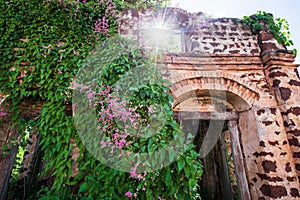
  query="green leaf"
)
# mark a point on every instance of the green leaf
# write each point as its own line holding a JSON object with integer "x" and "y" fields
{"x": 180, "y": 164}
{"x": 83, "y": 187}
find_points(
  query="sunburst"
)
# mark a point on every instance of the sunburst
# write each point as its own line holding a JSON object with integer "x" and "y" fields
{"x": 162, "y": 35}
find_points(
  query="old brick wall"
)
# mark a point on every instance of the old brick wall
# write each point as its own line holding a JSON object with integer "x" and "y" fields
{"x": 269, "y": 162}
{"x": 201, "y": 34}
{"x": 282, "y": 75}
{"x": 224, "y": 55}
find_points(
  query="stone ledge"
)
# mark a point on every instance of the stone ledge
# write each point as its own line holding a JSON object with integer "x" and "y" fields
{"x": 212, "y": 62}
{"x": 285, "y": 58}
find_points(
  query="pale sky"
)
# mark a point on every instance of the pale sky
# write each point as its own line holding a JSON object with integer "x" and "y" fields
{"x": 287, "y": 9}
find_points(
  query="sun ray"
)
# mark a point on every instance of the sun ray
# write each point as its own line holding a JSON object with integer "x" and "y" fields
{"x": 162, "y": 35}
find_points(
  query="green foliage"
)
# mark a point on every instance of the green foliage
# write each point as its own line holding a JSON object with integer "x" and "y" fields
{"x": 9, "y": 146}
{"x": 42, "y": 46}
{"x": 146, "y": 88}
{"x": 52, "y": 38}
{"x": 19, "y": 158}
{"x": 278, "y": 27}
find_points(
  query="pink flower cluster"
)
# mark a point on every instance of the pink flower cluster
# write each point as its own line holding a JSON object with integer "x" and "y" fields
{"x": 130, "y": 195}
{"x": 111, "y": 109}
{"x": 133, "y": 173}
{"x": 2, "y": 113}
{"x": 102, "y": 24}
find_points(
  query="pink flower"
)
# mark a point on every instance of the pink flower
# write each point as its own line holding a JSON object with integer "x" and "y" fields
{"x": 2, "y": 114}
{"x": 120, "y": 143}
{"x": 101, "y": 25}
{"x": 103, "y": 144}
{"x": 133, "y": 173}
{"x": 128, "y": 194}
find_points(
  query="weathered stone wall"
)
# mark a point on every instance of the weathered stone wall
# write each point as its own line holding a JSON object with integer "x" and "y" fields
{"x": 282, "y": 76}
{"x": 268, "y": 159}
{"x": 199, "y": 34}
{"x": 257, "y": 74}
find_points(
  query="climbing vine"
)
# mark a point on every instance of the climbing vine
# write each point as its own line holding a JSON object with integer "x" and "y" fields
{"x": 42, "y": 47}
{"x": 278, "y": 27}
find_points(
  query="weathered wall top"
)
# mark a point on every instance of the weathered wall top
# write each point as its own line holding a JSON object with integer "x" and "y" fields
{"x": 176, "y": 30}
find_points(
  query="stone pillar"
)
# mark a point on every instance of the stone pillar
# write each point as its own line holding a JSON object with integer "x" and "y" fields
{"x": 282, "y": 76}
{"x": 268, "y": 160}
{"x": 7, "y": 132}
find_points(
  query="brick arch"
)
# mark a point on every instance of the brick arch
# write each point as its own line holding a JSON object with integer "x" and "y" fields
{"x": 180, "y": 76}
{"x": 187, "y": 85}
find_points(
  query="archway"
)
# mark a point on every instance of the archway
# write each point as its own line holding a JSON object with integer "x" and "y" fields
{"x": 195, "y": 110}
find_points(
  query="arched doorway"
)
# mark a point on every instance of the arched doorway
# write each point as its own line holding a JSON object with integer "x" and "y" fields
{"x": 214, "y": 115}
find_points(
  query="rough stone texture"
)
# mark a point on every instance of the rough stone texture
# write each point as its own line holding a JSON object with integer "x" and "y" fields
{"x": 267, "y": 154}
{"x": 280, "y": 69}
{"x": 198, "y": 33}
{"x": 273, "y": 191}
{"x": 256, "y": 75}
